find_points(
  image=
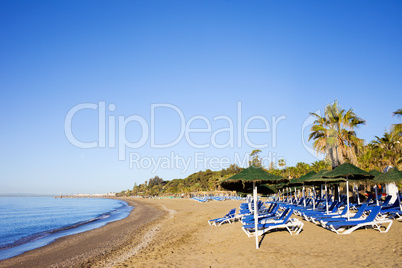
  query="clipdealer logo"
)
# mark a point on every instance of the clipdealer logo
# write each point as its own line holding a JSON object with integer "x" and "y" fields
{"x": 112, "y": 133}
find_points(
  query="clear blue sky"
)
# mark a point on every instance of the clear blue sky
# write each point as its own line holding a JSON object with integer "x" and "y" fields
{"x": 204, "y": 59}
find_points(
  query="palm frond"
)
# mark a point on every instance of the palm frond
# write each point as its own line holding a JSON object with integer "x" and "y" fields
{"x": 397, "y": 113}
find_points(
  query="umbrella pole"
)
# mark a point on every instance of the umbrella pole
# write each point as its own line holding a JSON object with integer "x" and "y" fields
{"x": 285, "y": 194}
{"x": 326, "y": 197}
{"x": 339, "y": 194}
{"x": 322, "y": 195}
{"x": 358, "y": 197}
{"x": 313, "y": 197}
{"x": 376, "y": 194}
{"x": 347, "y": 195}
{"x": 289, "y": 195}
{"x": 304, "y": 198}
{"x": 255, "y": 215}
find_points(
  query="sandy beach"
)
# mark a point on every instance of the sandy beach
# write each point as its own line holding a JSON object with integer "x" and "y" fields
{"x": 175, "y": 233}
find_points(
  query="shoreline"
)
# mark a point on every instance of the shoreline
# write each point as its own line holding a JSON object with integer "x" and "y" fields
{"x": 82, "y": 249}
{"x": 46, "y": 237}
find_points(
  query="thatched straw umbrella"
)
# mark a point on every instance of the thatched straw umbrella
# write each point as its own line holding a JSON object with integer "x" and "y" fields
{"x": 348, "y": 171}
{"x": 393, "y": 175}
{"x": 250, "y": 178}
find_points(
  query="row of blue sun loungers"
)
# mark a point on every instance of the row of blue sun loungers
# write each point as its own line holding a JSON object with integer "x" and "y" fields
{"x": 367, "y": 215}
{"x": 270, "y": 218}
{"x": 215, "y": 198}
{"x": 276, "y": 214}
{"x": 371, "y": 201}
{"x": 281, "y": 221}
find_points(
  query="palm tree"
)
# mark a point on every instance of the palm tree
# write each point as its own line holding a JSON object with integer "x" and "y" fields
{"x": 396, "y": 129}
{"x": 389, "y": 150}
{"x": 255, "y": 160}
{"x": 319, "y": 165}
{"x": 334, "y": 134}
{"x": 384, "y": 151}
{"x": 369, "y": 157}
{"x": 301, "y": 169}
{"x": 282, "y": 163}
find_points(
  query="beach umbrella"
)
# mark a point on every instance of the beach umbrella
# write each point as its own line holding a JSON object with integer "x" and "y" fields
{"x": 279, "y": 186}
{"x": 319, "y": 179}
{"x": 349, "y": 172}
{"x": 263, "y": 189}
{"x": 375, "y": 173}
{"x": 248, "y": 178}
{"x": 393, "y": 175}
{"x": 300, "y": 181}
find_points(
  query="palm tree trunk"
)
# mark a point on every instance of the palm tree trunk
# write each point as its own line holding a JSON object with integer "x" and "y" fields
{"x": 333, "y": 153}
{"x": 331, "y": 157}
{"x": 338, "y": 162}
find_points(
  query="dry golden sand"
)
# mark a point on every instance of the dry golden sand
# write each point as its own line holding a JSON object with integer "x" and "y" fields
{"x": 181, "y": 236}
{"x": 187, "y": 239}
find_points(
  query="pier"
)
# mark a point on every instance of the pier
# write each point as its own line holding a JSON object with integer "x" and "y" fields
{"x": 86, "y": 195}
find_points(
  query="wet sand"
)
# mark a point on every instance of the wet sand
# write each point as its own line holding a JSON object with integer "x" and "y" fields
{"x": 175, "y": 233}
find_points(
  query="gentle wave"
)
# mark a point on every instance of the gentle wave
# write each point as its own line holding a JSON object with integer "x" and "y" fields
{"x": 43, "y": 238}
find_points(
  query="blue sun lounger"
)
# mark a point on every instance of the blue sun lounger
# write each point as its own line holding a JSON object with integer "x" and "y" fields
{"x": 358, "y": 216}
{"x": 292, "y": 225}
{"x": 320, "y": 208}
{"x": 322, "y": 211}
{"x": 348, "y": 226}
{"x": 332, "y": 215}
{"x": 394, "y": 207}
{"x": 370, "y": 201}
{"x": 275, "y": 217}
{"x": 396, "y": 214}
{"x": 270, "y": 213}
{"x": 227, "y": 218}
{"x": 386, "y": 201}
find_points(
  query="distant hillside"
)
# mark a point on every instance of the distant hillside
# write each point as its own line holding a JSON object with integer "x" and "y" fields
{"x": 200, "y": 181}
{"x": 210, "y": 180}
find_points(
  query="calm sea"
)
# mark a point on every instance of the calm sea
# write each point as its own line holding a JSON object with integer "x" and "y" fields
{"x": 27, "y": 223}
